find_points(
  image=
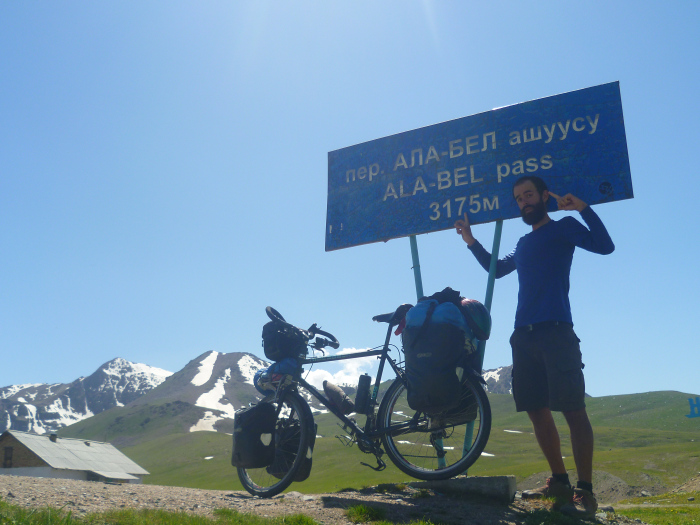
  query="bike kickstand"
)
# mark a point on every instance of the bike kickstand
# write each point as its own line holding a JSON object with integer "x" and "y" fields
{"x": 380, "y": 465}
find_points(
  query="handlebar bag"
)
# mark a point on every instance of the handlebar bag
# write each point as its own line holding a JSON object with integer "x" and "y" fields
{"x": 253, "y": 431}
{"x": 280, "y": 341}
{"x": 437, "y": 345}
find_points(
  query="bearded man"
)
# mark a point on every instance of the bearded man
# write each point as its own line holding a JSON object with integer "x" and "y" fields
{"x": 547, "y": 367}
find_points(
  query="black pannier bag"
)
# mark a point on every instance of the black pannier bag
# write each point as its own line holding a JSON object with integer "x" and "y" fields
{"x": 253, "y": 441}
{"x": 434, "y": 355}
{"x": 467, "y": 409}
{"x": 287, "y": 438}
{"x": 440, "y": 349}
{"x": 281, "y": 341}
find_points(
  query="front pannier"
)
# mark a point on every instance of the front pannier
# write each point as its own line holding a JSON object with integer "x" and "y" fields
{"x": 253, "y": 431}
{"x": 287, "y": 440}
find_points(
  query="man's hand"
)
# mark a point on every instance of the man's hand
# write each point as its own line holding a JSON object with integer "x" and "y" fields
{"x": 463, "y": 229}
{"x": 569, "y": 202}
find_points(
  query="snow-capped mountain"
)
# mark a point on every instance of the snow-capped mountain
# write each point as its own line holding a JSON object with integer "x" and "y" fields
{"x": 43, "y": 408}
{"x": 218, "y": 384}
{"x": 213, "y": 385}
{"x": 499, "y": 380}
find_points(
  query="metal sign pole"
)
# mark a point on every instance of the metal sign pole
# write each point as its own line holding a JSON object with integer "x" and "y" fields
{"x": 416, "y": 267}
{"x": 419, "y": 293}
{"x": 490, "y": 283}
{"x": 487, "y": 303}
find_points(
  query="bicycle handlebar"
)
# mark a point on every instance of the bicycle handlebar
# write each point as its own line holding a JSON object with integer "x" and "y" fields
{"x": 331, "y": 341}
{"x": 319, "y": 343}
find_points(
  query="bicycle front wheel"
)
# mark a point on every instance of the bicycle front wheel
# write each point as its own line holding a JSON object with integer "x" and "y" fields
{"x": 438, "y": 447}
{"x": 293, "y": 447}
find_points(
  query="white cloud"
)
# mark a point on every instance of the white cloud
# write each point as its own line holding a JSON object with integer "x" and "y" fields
{"x": 350, "y": 369}
{"x": 317, "y": 377}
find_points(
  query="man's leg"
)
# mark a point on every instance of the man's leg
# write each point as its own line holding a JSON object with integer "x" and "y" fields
{"x": 584, "y": 503}
{"x": 548, "y": 438}
{"x": 557, "y": 486}
{"x": 581, "y": 443}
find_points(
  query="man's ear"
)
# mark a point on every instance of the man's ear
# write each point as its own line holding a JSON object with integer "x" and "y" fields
{"x": 545, "y": 196}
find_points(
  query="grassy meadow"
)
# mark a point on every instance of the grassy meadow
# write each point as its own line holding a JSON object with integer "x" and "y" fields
{"x": 644, "y": 439}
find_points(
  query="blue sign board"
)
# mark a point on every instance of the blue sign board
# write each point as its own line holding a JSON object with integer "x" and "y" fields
{"x": 424, "y": 180}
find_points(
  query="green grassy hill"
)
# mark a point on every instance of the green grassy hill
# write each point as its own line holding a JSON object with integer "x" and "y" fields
{"x": 644, "y": 439}
{"x": 131, "y": 425}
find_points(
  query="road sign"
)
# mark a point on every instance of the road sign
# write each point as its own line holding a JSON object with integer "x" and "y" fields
{"x": 423, "y": 180}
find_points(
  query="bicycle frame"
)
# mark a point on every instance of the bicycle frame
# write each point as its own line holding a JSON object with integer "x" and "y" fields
{"x": 383, "y": 354}
{"x": 391, "y": 427}
{"x": 370, "y": 431}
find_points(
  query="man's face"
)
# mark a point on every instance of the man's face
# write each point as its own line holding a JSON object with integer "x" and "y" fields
{"x": 532, "y": 205}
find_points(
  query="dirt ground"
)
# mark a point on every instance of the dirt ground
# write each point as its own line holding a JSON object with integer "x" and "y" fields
{"x": 692, "y": 485}
{"x": 608, "y": 489}
{"x": 400, "y": 504}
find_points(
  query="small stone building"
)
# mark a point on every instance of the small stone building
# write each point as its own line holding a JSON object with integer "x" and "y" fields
{"x": 25, "y": 454}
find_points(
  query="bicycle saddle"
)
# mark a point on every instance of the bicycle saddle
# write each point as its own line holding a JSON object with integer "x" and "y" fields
{"x": 393, "y": 318}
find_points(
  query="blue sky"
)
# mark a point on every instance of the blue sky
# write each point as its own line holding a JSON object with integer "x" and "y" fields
{"x": 163, "y": 174}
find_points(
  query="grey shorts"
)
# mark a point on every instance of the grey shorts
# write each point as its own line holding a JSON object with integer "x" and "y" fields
{"x": 547, "y": 368}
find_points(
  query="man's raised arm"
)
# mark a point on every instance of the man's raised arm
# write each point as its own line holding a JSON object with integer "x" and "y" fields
{"x": 503, "y": 267}
{"x": 596, "y": 239}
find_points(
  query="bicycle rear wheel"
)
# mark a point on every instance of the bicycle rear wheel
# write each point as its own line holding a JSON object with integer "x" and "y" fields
{"x": 293, "y": 445}
{"x": 439, "y": 447}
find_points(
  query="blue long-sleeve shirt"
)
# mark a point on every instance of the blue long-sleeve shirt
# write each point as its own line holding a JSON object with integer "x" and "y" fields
{"x": 543, "y": 261}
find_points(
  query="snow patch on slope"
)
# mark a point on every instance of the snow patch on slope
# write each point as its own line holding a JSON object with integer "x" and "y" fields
{"x": 492, "y": 374}
{"x": 248, "y": 365}
{"x": 206, "y": 424}
{"x": 152, "y": 376}
{"x": 67, "y": 415}
{"x": 11, "y": 390}
{"x": 213, "y": 398}
{"x": 206, "y": 367}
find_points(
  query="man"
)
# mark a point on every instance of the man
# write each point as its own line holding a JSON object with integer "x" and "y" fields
{"x": 547, "y": 367}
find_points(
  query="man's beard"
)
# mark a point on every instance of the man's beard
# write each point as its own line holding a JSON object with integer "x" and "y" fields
{"x": 535, "y": 214}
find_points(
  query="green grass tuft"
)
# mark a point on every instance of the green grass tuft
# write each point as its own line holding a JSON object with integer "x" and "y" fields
{"x": 678, "y": 498}
{"x": 422, "y": 493}
{"x": 365, "y": 513}
{"x": 14, "y": 515}
{"x": 664, "y": 516}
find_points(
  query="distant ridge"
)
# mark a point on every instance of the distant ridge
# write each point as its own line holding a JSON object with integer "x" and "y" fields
{"x": 45, "y": 408}
{"x": 214, "y": 384}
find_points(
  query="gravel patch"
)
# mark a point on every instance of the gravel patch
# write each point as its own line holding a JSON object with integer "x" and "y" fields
{"x": 399, "y": 506}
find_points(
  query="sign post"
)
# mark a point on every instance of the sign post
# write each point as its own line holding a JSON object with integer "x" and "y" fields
{"x": 423, "y": 180}
{"x": 416, "y": 267}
